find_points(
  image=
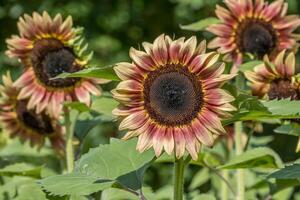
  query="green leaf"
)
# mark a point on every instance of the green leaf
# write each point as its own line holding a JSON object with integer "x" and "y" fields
{"x": 114, "y": 164}
{"x": 107, "y": 166}
{"x": 21, "y": 169}
{"x": 284, "y": 107}
{"x": 73, "y": 184}
{"x": 288, "y": 172}
{"x": 104, "y": 105}
{"x": 200, "y": 25}
{"x": 81, "y": 107}
{"x": 256, "y": 158}
{"x": 200, "y": 178}
{"x": 30, "y": 192}
{"x": 117, "y": 194}
{"x": 204, "y": 197}
{"x": 93, "y": 72}
{"x": 248, "y": 66}
{"x": 289, "y": 129}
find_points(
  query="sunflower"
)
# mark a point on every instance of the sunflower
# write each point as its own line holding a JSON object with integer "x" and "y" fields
{"x": 251, "y": 27}
{"x": 18, "y": 121}
{"x": 48, "y": 47}
{"x": 170, "y": 96}
{"x": 275, "y": 80}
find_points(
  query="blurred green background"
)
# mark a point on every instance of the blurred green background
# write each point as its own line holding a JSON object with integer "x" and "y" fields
{"x": 111, "y": 28}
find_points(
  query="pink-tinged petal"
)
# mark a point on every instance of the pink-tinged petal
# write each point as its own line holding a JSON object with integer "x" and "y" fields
{"x": 66, "y": 26}
{"x": 27, "y": 91}
{"x": 290, "y": 65}
{"x": 175, "y": 48}
{"x": 82, "y": 95}
{"x": 131, "y": 134}
{"x": 129, "y": 86}
{"x": 225, "y": 107}
{"x": 57, "y": 21}
{"x": 190, "y": 142}
{"x": 142, "y": 59}
{"x": 44, "y": 102}
{"x": 144, "y": 140}
{"x": 211, "y": 121}
{"x": 36, "y": 97}
{"x": 179, "y": 142}
{"x": 127, "y": 71}
{"x": 130, "y": 100}
{"x": 224, "y": 15}
{"x": 258, "y": 8}
{"x": 279, "y": 65}
{"x": 236, "y": 7}
{"x": 272, "y": 10}
{"x": 160, "y": 50}
{"x": 217, "y": 97}
{"x": 212, "y": 71}
{"x": 20, "y": 43}
{"x": 148, "y": 47}
{"x": 25, "y": 79}
{"x": 217, "y": 82}
{"x": 202, "y": 134}
{"x": 90, "y": 87}
{"x": 217, "y": 42}
{"x": 200, "y": 61}
{"x": 168, "y": 141}
{"x": 124, "y": 111}
{"x": 260, "y": 89}
{"x": 158, "y": 137}
{"x": 134, "y": 121}
{"x": 253, "y": 77}
{"x": 220, "y": 30}
{"x": 201, "y": 48}
{"x": 288, "y": 23}
{"x": 265, "y": 71}
{"x": 284, "y": 9}
{"x": 188, "y": 50}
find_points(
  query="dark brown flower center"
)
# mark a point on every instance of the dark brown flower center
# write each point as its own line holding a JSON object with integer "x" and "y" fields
{"x": 256, "y": 37}
{"x": 173, "y": 95}
{"x": 40, "y": 123}
{"x": 50, "y": 58}
{"x": 281, "y": 89}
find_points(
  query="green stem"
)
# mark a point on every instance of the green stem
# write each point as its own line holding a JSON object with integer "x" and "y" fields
{"x": 224, "y": 186}
{"x": 238, "y": 127}
{"x": 178, "y": 179}
{"x": 69, "y": 141}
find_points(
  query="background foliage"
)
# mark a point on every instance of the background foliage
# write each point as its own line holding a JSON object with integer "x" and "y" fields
{"x": 111, "y": 28}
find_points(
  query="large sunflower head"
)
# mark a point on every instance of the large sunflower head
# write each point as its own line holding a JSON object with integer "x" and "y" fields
{"x": 26, "y": 124}
{"x": 48, "y": 47}
{"x": 170, "y": 96}
{"x": 275, "y": 80}
{"x": 252, "y": 27}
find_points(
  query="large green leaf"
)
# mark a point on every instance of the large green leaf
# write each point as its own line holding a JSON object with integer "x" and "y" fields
{"x": 256, "y": 158}
{"x": 21, "y": 169}
{"x": 284, "y": 107}
{"x": 117, "y": 194}
{"x": 200, "y": 25}
{"x": 116, "y": 164}
{"x": 30, "y": 191}
{"x": 288, "y": 172}
{"x": 73, "y": 184}
{"x": 93, "y": 72}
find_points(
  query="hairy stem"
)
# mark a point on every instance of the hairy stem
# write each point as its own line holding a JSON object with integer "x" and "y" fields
{"x": 69, "y": 141}
{"x": 178, "y": 179}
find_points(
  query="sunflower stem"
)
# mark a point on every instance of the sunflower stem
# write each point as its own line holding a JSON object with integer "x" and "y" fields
{"x": 178, "y": 178}
{"x": 224, "y": 186}
{"x": 238, "y": 130}
{"x": 69, "y": 140}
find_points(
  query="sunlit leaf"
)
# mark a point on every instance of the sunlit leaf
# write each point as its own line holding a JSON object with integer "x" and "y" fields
{"x": 200, "y": 25}
{"x": 289, "y": 129}
{"x": 117, "y": 163}
{"x": 255, "y": 158}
